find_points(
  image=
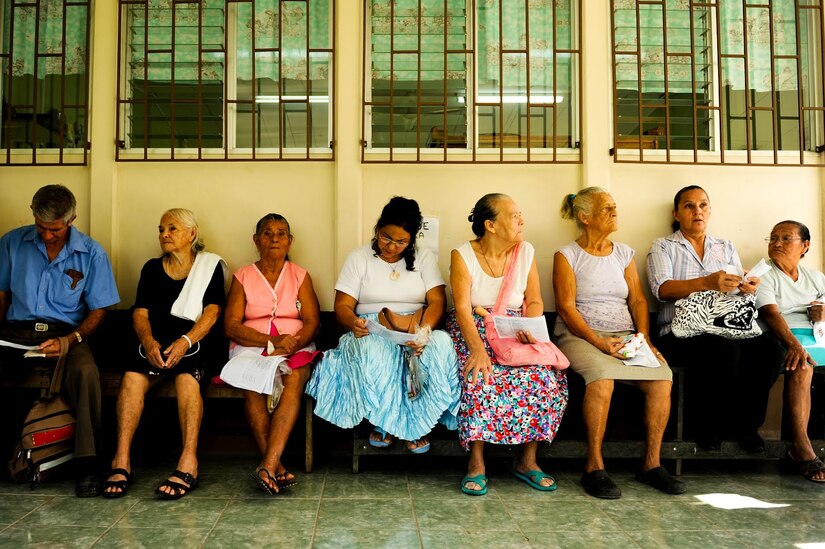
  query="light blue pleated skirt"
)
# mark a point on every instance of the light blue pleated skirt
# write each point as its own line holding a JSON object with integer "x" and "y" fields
{"x": 363, "y": 378}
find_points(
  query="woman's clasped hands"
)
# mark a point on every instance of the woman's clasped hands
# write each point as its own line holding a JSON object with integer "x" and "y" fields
{"x": 170, "y": 357}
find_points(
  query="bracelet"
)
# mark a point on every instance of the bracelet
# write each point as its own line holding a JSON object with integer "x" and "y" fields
{"x": 189, "y": 341}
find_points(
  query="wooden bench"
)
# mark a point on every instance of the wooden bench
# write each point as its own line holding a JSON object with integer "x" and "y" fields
{"x": 108, "y": 342}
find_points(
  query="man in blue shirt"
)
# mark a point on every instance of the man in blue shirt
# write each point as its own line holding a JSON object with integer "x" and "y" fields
{"x": 55, "y": 282}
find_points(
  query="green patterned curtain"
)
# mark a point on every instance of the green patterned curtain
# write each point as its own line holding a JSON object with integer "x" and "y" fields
{"x": 652, "y": 59}
{"x": 42, "y": 26}
{"x": 734, "y": 28}
{"x": 151, "y": 27}
{"x": 285, "y": 25}
{"x": 404, "y": 30}
{"x": 511, "y": 32}
{"x": 734, "y": 25}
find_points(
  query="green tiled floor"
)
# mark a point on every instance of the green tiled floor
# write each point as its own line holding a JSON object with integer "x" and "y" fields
{"x": 419, "y": 508}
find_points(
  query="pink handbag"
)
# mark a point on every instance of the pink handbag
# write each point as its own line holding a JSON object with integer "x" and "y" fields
{"x": 510, "y": 351}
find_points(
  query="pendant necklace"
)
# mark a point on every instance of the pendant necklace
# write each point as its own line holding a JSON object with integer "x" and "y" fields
{"x": 394, "y": 275}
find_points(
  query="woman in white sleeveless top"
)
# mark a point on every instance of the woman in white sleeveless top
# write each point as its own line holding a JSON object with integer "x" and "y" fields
{"x": 600, "y": 301}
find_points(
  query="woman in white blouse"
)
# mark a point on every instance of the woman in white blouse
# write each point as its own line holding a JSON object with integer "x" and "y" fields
{"x": 366, "y": 376}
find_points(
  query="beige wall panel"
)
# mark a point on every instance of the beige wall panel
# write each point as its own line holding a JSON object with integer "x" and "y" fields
{"x": 18, "y": 185}
{"x": 228, "y": 199}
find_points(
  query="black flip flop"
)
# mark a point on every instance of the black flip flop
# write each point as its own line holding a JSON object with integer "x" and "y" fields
{"x": 262, "y": 484}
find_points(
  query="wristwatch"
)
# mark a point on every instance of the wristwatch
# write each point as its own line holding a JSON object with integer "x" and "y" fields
{"x": 77, "y": 337}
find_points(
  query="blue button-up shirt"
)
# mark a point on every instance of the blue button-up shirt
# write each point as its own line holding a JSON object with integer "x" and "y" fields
{"x": 79, "y": 279}
{"x": 673, "y": 258}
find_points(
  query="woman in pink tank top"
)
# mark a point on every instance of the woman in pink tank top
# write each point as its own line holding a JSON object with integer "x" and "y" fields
{"x": 272, "y": 309}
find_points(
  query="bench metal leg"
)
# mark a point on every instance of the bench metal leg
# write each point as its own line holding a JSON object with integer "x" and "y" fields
{"x": 680, "y": 415}
{"x": 309, "y": 407}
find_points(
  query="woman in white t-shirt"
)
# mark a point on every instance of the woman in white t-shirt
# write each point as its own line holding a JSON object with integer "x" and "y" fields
{"x": 366, "y": 376}
{"x": 790, "y": 302}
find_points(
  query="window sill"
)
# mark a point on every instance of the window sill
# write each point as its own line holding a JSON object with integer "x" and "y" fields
{"x": 757, "y": 158}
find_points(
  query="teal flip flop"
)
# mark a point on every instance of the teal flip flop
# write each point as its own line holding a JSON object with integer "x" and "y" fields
{"x": 419, "y": 449}
{"x": 533, "y": 480}
{"x": 383, "y": 443}
{"x": 481, "y": 480}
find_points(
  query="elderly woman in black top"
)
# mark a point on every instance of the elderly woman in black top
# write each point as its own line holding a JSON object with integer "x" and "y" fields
{"x": 179, "y": 298}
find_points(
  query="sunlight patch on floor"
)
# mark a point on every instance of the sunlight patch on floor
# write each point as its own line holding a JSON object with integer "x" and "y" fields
{"x": 735, "y": 501}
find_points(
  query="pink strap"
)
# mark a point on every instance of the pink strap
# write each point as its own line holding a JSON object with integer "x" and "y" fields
{"x": 507, "y": 283}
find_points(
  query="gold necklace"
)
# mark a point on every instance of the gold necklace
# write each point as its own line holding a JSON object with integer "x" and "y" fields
{"x": 484, "y": 256}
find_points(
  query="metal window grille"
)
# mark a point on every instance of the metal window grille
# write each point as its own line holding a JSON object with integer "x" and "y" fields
{"x": 226, "y": 80}
{"x": 44, "y": 84}
{"x": 467, "y": 81}
{"x": 718, "y": 81}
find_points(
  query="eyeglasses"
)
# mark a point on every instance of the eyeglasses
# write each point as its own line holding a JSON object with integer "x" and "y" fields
{"x": 386, "y": 241}
{"x": 280, "y": 235}
{"x": 784, "y": 239}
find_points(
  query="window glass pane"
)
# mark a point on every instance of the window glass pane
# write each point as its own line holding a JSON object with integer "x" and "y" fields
{"x": 735, "y": 120}
{"x": 658, "y": 91}
{"x": 266, "y": 127}
{"x": 274, "y": 75}
{"x": 565, "y": 34}
{"x": 811, "y": 52}
{"x": 426, "y": 75}
{"x": 489, "y": 126}
{"x": 422, "y": 88}
{"x": 43, "y": 54}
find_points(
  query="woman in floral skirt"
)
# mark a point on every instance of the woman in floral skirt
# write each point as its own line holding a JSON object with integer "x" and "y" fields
{"x": 500, "y": 404}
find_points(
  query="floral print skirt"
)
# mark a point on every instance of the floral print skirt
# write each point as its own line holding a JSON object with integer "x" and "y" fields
{"x": 519, "y": 404}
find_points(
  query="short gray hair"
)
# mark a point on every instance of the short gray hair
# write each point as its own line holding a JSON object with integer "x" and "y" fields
{"x": 582, "y": 201}
{"x": 187, "y": 219}
{"x": 53, "y": 203}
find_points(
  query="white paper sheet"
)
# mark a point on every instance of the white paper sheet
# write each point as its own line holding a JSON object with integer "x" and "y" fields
{"x": 399, "y": 338}
{"x": 644, "y": 358}
{"x": 252, "y": 371}
{"x": 4, "y": 343}
{"x": 756, "y": 271}
{"x": 508, "y": 326}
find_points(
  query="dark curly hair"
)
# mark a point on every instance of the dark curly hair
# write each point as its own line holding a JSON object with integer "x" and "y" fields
{"x": 405, "y": 213}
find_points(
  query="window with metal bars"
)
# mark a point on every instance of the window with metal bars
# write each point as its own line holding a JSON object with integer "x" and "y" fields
{"x": 719, "y": 81}
{"x": 225, "y": 80}
{"x": 471, "y": 81}
{"x": 44, "y": 81}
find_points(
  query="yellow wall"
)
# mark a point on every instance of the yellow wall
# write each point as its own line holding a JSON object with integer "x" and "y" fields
{"x": 332, "y": 206}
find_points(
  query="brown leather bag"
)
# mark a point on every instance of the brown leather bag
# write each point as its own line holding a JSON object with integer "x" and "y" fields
{"x": 47, "y": 439}
{"x": 399, "y": 322}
